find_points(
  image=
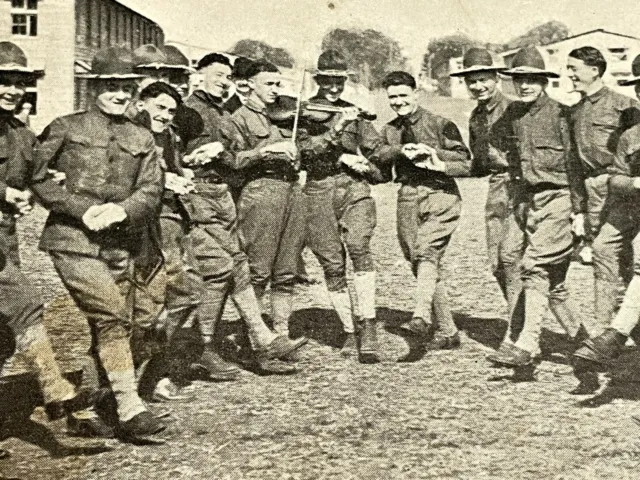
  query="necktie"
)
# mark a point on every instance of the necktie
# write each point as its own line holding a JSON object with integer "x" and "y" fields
{"x": 407, "y": 135}
{"x": 482, "y": 138}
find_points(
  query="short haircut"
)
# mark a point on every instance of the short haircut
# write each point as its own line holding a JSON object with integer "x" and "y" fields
{"x": 211, "y": 58}
{"x": 591, "y": 57}
{"x": 260, "y": 66}
{"x": 155, "y": 89}
{"x": 399, "y": 78}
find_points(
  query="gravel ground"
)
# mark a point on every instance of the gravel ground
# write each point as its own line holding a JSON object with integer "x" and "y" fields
{"x": 447, "y": 416}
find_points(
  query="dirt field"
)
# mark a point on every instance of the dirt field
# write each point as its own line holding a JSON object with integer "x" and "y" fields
{"x": 447, "y": 416}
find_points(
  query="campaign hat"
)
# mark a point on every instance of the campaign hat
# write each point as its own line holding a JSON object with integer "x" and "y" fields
{"x": 529, "y": 61}
{"x": 112, "y": 63}
{"x": 635, "y": 72}
{"x": 477, "y": 60}
{"x": 332, "y": 63}
{"x": 14, "y": 60}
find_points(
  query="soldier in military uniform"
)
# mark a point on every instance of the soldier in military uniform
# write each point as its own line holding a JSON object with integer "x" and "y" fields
{"x": 206, "y": 130}
{"x": 427, "y": 152}
{"x": 341, "y": 211}
{"x": 598, "y": 120}
{"x": 488, "y": 143}
{"x": 110, "y": 197}
{"x": 623, "y": 220}
{"x": 242, "y": 87}
{"x": 21, "y": 308}
{"x": 551, "y": 186}
{"x": 271, "y": 212}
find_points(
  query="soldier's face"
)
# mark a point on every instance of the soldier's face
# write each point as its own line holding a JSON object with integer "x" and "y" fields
{"x": 161, "y": 109}
{"x": 581, "y": 75}
{"x": 112, "y": 97}
{"x": 266, "y": 85}
{"x": 12, "y": 89}
{"x": 482, "y": 85}
{"x": 330, "y": 87}
{"x": 216, "y": 79}
{"x": 402, "y": 99}
{"x": 529, "y": 87}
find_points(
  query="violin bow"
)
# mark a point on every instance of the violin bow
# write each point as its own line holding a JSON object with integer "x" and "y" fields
{"x": 296, "y": 118}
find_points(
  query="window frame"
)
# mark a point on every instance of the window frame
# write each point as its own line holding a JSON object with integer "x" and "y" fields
{"x": 28, "y": 13}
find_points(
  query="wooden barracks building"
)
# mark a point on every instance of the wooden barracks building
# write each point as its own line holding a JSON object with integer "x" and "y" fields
{"x": 61, "y": 37}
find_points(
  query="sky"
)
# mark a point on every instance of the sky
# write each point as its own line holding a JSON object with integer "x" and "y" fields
{"x": 299, "y": 25}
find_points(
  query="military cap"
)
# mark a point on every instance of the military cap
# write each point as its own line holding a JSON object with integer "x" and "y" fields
{"x": 477, "y": 60}
{"x": 150, "y": 57}
{"x": 241, "y": 67}
{"x": 112, "y": 63}
{"x": 635, "y": 72}
{"x": 332, "y": 63}
{"x": 13, "y": 60}
{"x": 529, "y": 61}
{"x": 175, "y": 56}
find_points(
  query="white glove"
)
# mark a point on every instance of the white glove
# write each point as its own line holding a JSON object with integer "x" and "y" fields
{"x": 21, "y": 199}
{"x": 178, "y": 184}
{"x": 99, "y": 217}
{"x": 204, "y": 154}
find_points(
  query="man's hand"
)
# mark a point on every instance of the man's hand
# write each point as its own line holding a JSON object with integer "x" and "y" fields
{"x": 348, "y": 115}
{"x": 636, "y": 183}
{"x": 357, "y": 163}
{"x": 281, "y": 148}
{"x": 99, "y": 217}
{"x": 178, "y": 184}
{"x": 56, "y": 176}
{"x": 428, "y": 158}
{"x": 20, "y": 199}
{"x": 409, "y": 150}
{"x": 577, "y": 226}
{"x": 204, "y": 154}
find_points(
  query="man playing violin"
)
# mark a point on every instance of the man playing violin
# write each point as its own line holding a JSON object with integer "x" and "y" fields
{"x": 341, "y": 211}
{"x": 270, "y": 208}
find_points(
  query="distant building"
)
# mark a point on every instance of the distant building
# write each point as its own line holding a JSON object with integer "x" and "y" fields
{"x": 61, "y": 37}
{"x": 619, "y": 51}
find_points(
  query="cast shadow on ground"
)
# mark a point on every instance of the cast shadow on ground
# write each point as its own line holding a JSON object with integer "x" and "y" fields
{"x": 623, "y": 381}
{"x": 20, "y": 395}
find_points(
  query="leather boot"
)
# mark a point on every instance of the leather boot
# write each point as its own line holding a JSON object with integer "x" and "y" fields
{"x": 217, "y": 368}
{"x": 367, "y": 341}
{"x": 598, "y": 353}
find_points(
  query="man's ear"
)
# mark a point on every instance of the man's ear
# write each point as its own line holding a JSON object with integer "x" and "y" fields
{"x": 251, "y": 83}
{"x": 139, "y": 105}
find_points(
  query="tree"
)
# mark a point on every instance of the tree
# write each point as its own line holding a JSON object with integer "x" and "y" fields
{"x": 259, "y": 50}
{"x": 369, "y": 53}
{"x": 439, "y": 51}
{"x": 544, "y": 34}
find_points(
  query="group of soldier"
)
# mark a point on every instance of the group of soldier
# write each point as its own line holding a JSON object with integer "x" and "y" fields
{"x": 164, "y": 205}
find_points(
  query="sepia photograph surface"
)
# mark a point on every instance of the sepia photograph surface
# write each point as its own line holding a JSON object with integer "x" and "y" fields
{"x": 319, "y": 239}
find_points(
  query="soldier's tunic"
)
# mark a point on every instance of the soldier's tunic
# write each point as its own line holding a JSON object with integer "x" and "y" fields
{"x": 105, "y": 159}
{"x": 429, "y": 202}
{"x": 598, "y": 121}
{"x": 542, "y": 137}
{"x": 489, "y": 144}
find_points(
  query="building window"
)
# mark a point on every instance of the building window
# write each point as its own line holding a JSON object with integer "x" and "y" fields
{"x": 24, "y": 17}
{"x": 555, "y": 84}
{"x": 619, "y": 54}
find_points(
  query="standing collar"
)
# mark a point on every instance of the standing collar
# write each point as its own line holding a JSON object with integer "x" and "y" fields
{"x": 255, "y": 105}
{"x": 493, "y": 102}
{"x": 539, "y": 103}
{"x": 594, "y": 97}
{"x": 209, "y": 99}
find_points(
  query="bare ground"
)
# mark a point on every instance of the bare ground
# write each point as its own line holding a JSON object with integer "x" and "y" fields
{"x": 447, "y": 416}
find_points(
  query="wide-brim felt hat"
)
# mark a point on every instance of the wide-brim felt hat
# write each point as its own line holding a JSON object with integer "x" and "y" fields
{"x": 635, "y": 71}
{"x": 150, "y": 57}
{"x": 331, "y": 63}
{"x": 14, "y": 60}
{"x": 477, "y": 60}
{"x": 113, "y": 63}
{"x": 529, "y": 61}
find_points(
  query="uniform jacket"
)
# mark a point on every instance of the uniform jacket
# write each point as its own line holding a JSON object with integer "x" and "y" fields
{"x": 541, "y": 153}
{"x": 233, "y": 103}
{"x": 17, "y": 144}
{"x": 598, "y": 121}
{"x": 626, "y": 164}
{"x": 201, "y": 120}
{"x": 320, "y": 147}
{"x": 105, "y": 159}
{"x": 253, "y": 131}
{"x": 488, "y": 145}
{"x": 432, "y": 130}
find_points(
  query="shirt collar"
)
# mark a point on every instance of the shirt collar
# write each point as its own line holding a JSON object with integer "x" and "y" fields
{"x": 540, "y": 102}
{"x": 254, "y": 105}
{"x": 594, "y": 97}
{"x": 209, "y": 99}
{"x": 493, "y": 101}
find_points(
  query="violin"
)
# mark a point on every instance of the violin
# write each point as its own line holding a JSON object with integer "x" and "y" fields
{"x": 284, "y": 109}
